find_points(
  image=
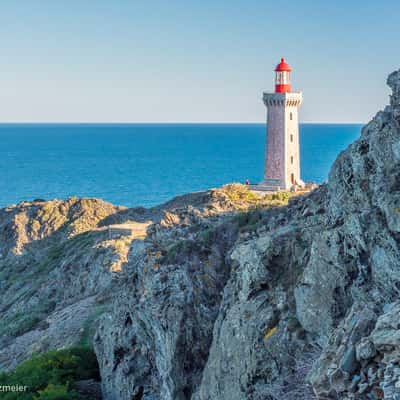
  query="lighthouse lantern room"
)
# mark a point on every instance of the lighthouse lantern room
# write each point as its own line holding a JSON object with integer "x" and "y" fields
{"x": 282, "y": 77}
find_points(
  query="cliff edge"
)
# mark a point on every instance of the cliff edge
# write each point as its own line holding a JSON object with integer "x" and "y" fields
{"x": 298, "y": 302}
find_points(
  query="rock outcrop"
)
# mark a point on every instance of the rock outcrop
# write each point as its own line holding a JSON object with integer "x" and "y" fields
{"x": 296, "y": 302}
{"x": 60, "y": 262}
{"x": 54, "y": 266}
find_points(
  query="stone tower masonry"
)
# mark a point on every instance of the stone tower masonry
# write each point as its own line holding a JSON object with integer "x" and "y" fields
{"x": 282, "y": 161}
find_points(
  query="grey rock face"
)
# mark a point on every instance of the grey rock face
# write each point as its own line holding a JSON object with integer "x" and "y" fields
{"x": 60, "y": 263}
{"x": 53, "y": 265}
{"x": 365, "y": 350}
{"x": 89, "y": 389}
{"x": 162, "y": 322}
{"x": 293, "y": 305}
{"x": 378, "y": 356}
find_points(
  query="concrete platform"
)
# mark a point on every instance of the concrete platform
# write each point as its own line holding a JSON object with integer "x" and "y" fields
{"x": 135, "y": 229}
{"x": 262, "y": 188}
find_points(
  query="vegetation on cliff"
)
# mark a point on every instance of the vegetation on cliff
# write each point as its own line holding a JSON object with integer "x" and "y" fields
{"x": 51, "y": 376}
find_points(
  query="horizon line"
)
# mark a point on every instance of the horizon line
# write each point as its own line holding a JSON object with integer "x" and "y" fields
{"x": 166, "y": 122}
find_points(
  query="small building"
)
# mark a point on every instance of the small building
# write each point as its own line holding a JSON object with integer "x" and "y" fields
{"x": 282, "y": 156}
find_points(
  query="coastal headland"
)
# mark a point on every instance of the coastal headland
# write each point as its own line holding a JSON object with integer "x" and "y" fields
{"x": 221, "y": 294}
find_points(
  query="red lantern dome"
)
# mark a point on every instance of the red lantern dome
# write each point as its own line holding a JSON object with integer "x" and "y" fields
{"x": 282, "y": 77}
{"x": 283, "y": 66}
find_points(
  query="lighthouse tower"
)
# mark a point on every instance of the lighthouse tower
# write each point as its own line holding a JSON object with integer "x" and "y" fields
{"x": 282, "y": 160}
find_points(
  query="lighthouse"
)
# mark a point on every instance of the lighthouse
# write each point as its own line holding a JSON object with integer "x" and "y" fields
{"x": 282, "y": 156}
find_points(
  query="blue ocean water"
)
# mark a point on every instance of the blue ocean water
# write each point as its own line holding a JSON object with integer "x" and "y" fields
{"x": 147, "y": 164}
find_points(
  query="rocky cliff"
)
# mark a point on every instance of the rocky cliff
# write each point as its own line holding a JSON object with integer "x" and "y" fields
{"x": 296, "y": 302}
{"x": 54, "y": 265}
{"x": 221, "y": 294}
{"x": 61, "y": 262}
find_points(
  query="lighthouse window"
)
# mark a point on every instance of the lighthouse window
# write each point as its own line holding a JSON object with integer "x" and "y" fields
{"x": 291, "y": 138}
{"x": 291, "y": 116}
{"x": 291, "y": 159}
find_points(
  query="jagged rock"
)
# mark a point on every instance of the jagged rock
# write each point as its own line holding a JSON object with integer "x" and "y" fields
{"x": 365, "y": 350}
{"x": 348, "y": 363}
{"x": 387, "y": 329}
{"x": 313, "y": 275}
{"x": 89, "y": 389}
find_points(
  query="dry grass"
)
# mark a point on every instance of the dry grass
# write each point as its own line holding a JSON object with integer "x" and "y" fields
{"x": 270, "y": 332}
{"x": 239, "y": 193}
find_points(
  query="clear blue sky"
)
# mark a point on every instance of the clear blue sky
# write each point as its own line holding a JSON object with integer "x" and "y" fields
{"x": 209, "y": 60}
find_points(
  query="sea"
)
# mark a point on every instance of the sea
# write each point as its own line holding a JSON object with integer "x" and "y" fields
{"x": 147, "y": 164}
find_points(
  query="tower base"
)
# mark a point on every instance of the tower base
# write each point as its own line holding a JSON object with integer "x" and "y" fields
{"x": 275, "y": 185}
{"x": 272, "y": 185}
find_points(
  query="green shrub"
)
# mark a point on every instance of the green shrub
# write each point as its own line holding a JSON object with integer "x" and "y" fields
{"x": 179, "y": 247}
{"x": 57, "y": 392}
{"x": 207, "y": 237}
{"x": 241, "y": 219}
{"x": 49, "y": 375}
{"x": 280, "y": 196}
{"x": 248, "y": 220}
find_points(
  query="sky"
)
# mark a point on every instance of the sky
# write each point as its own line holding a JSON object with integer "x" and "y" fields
{"x": 193, "y": 61}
